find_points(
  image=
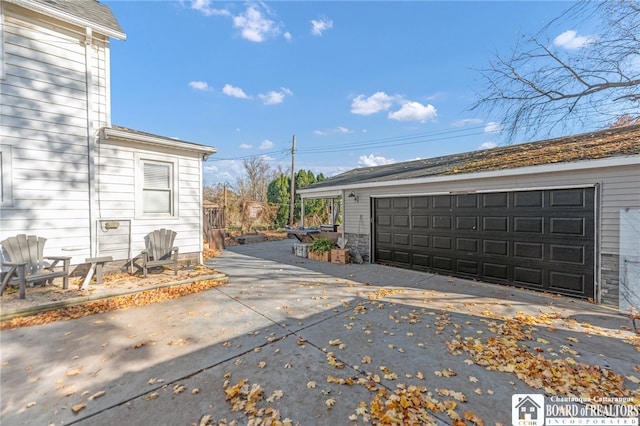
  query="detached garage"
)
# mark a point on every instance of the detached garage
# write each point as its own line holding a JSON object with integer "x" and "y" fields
{"x": 560, "y": 216}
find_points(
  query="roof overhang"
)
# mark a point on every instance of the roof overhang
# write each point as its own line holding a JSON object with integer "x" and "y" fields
{"x": 69, "y": 18}
{"x": 126, "y": 135}
{"x": 327, "y": 194}
{"x": 632, "y": 160}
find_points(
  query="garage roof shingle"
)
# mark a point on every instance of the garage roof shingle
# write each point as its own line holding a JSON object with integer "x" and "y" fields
{"x": 588, "y": 146}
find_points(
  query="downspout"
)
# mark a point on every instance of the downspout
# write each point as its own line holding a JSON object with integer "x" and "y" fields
{"x": 88, "y": 56}
{"x": 344, "y": 207}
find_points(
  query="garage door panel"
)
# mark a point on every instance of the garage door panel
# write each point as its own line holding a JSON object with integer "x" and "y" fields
{"x": 442, "y": 243}
{"x": 442, "y": 222}
{"x": 383, "y": 203}
{"x": 528, "y": 276}
{"x": 495, "y": 247}
{"x": 442, "y": 202}
{"x": 542, "y": 239}
{"x": 495, "y": 271}
{"x": 420, "y": 241}
{"x": 495, "y": 223}
{"x": 527, "y": 199}
{"x": 420, "y": 202}
{"x": 384, "y": 237}
{"x": 401, "y": 239}
{"x": 469, "y": 245}
{"x": 533, "y": 251}
{"x": 467, "y": 201}
{"x": 421, "y": 261}
{"x": 469, "y": 223}
{"x": 401, "y": 203}
{"x": 528, "y": 224}
{"x": 567, "y": 197}
{"x": 499, "y": 199}
{"x": 401, "y": 221}
{"x": 383, "y": 255}
{"x": 402, "y": 257}
{"x": 467, "y": 267}
{"x": 384, "y": 220}
{"x": 420, "y": 221}
{"x": 567, "y": 254}
{"x": 443, "y": 263}
{"x": 567, "y": 226}
{"x": 562, "y": 281}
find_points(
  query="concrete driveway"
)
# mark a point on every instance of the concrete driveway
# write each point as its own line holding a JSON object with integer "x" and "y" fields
{"x": 315, "y": 343}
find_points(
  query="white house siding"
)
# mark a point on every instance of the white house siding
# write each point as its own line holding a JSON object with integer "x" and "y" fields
{"x": 43, "y": 118}
{"x": 116, "y": 162}
{"x": 619, "y": 188}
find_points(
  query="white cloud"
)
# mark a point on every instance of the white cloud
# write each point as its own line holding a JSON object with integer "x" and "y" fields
{"x": 245, "y": 146}
{"x": 377, "y": 102}
{"x": 488, "y": 145}
{"x": 204, "y": 6}
{"x": 374, "y": 160}
{"x": 273, "y": 97}
{"x": 414, "y": 111}
{"x": 287, "y": 36}
{"x": 234, "y": 92}
{"x": 571, "y": 40}
{"x": 467, "y": 122}
{"x": 493, "y": 127}
{"x": 321, "y": 25}
{"x": 254, "y": 25}
{"x": 266, "y": 144}
{"x": 339, "y": 129}
{"x": 199, "y": 85}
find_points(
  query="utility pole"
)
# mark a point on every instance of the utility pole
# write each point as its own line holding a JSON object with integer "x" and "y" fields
{"x": 293, "y": 180}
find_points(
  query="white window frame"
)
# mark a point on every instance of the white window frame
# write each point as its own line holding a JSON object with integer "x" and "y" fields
{"x": 140, "y": 161}
{"x": 6, "y": 178}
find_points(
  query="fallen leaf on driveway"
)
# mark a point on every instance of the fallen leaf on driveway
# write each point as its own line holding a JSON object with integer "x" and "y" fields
{"x": 78, "y": 407}
{"x": 447, "y": 372}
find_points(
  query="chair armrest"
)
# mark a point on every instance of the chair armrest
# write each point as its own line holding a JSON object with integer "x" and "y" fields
{"x": 14, "y": 263}
{"x": 57, "y": 257}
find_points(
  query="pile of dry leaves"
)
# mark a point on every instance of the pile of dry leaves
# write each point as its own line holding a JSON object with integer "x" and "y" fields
{"x": 118, "y": 291}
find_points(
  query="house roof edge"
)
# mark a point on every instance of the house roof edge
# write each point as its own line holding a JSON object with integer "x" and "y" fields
{"x": 122, "y": 133}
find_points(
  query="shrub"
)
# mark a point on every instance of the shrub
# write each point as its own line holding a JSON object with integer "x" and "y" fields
{"x": 321, "y": 245}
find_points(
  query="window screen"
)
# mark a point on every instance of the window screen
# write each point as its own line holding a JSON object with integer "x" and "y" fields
{"x": 157, "y": 190}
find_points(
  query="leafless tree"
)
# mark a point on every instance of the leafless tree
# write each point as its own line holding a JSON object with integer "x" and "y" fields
{"x": 582, "y": 68}
{"x": 254, "y": 184}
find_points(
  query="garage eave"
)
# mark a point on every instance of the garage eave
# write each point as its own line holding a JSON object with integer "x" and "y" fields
{"x": 547, "y": 168}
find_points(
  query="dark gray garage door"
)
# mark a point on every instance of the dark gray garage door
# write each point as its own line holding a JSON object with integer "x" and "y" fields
{"x": 536, "y": 239}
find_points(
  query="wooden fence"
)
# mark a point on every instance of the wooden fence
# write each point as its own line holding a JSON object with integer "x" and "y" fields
{"x": 214, "y": 227}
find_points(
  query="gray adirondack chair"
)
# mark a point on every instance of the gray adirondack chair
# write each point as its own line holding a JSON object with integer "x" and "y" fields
{"x": 26, "y": 263}
{"x": 160, "y": 250}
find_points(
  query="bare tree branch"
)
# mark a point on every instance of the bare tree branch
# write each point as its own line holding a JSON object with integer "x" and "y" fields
{"x": 545, "y": 84}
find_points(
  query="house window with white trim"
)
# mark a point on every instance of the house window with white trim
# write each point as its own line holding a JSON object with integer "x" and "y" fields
{"x": 156, "y": 187}
{"x": 6, "y": 179}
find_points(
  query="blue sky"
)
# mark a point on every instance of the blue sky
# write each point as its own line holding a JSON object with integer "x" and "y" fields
{"x": 359, "y": 83}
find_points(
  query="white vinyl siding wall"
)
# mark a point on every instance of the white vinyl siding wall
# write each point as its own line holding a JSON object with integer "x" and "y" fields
{"x": 43, "y": 118}
{"x": 117, "y": 187}
{"x": 619, "y": 189}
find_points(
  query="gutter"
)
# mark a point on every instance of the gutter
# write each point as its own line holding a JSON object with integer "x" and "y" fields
{"x": 111, "y": 133}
